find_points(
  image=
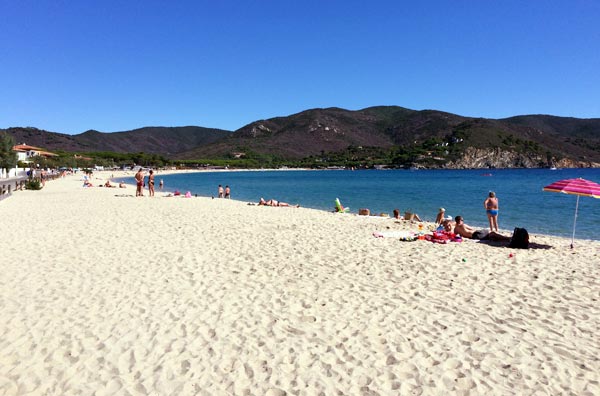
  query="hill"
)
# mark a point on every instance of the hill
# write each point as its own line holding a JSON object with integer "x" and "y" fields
{"x": 387, "y": 135}
{"x": 427, "y": 138}
{"x": 166, "y": 141}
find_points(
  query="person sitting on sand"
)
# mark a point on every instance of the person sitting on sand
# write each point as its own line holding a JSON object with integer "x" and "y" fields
{"x": 122, "y": 185}
{"x": 107, "y": 184}
{"x": 448, "y": 225}
{"x": 440, "y": 216}
{"x": 469, "y": 232}
{"x": 273, "y": 202}
{"x": 415, "y": 217}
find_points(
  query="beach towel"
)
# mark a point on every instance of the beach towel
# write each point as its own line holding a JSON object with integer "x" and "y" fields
{"x": 443, "y": 237}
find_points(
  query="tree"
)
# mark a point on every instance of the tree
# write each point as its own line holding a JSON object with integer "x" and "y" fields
{"x": 8, "y": 158}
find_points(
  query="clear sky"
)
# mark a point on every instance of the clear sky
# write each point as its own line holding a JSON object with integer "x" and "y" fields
{"x": 70, "y": 66}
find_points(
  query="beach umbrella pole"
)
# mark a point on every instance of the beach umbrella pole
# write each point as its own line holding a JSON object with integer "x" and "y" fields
{"x": 575, "y": 222}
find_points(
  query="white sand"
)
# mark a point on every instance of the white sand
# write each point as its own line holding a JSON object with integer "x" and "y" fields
{"x": 110, "y": 295}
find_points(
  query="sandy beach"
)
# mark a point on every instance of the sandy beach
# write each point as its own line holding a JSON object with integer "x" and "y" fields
{"x": 102, "y": 293}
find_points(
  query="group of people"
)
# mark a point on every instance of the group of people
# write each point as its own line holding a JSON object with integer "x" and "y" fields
{"x": 414, "y": 216}
{"x": 461, "y": 228}
{"x": 109, "y": 184}
{"x": 224, "y": 192}
{"x": 140, "y": 183}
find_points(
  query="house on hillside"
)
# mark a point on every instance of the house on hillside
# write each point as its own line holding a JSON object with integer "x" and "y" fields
{"x": 25, "y": 152}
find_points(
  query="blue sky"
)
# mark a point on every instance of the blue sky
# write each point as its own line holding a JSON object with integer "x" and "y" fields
{"x": 70, "y": 66}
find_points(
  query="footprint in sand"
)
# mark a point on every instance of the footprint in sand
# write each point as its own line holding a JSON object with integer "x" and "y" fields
{"x": 276, "y": 392}
{"x": 8, "y": 387}
{"x": 185, "y": 367}
{"x": 248, "y": 370}
{"x": 126, "y": 362}
{"x": 308, "y": 319}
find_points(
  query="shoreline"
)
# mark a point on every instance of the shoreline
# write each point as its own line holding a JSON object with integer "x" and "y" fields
{"x": 111, "y": 294}
{"x": 504, "y": 231}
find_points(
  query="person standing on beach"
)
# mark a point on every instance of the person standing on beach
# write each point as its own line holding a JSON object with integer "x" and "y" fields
{"x": 43, "y": 177}
{"x": 139, "y": 178}
{"x": 491, "y": 209}
{"x": 221, "y": 192}
{"x": 151, "y": 183}
{"x": 227, "y": 192}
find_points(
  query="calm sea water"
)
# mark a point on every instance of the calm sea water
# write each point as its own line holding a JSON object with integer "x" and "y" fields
{"x": 461, "y": 192}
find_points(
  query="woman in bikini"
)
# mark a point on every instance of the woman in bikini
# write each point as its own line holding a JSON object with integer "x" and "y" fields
{"x": 151, "y": 183}
{"x": 491, "y": 209}
{"x": 273, "y": 202}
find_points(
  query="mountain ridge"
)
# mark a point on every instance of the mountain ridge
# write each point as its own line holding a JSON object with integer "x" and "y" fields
{"x": 427, "y": 138}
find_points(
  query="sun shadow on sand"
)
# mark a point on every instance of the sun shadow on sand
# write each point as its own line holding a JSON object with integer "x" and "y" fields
{"x": 532, "y": 245}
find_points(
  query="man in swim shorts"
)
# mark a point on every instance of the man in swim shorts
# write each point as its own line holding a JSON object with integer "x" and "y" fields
{"x": 491, "y": 209}
{"x": 139, "y": 178}
{"x": 469, "y": 232}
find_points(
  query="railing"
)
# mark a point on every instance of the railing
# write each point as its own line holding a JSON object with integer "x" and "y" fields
{"x": 7, "y": 186}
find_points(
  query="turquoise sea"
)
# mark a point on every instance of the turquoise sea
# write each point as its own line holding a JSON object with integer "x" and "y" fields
{"x": 460, "y": 192}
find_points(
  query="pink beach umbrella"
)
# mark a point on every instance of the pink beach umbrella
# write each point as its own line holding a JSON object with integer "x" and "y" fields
{"x": 579, "y": 187}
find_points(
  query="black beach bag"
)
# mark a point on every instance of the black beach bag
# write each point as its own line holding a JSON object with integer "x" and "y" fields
{"x": 520, "y": 239}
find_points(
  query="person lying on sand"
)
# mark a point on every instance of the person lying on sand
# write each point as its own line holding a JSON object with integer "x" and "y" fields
{"x": 273, "y": 202}
{"x": 469, "y": 232}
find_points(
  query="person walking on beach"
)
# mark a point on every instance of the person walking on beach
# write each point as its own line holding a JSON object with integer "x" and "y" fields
{"x": 227, "y": 192}
{"x": 139, "y": 178}
{"x": 491, "y": 209}
{"x": 43, "y": 177}
{"x": 221, "y": 191}
{"x": 151, "y": 183}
